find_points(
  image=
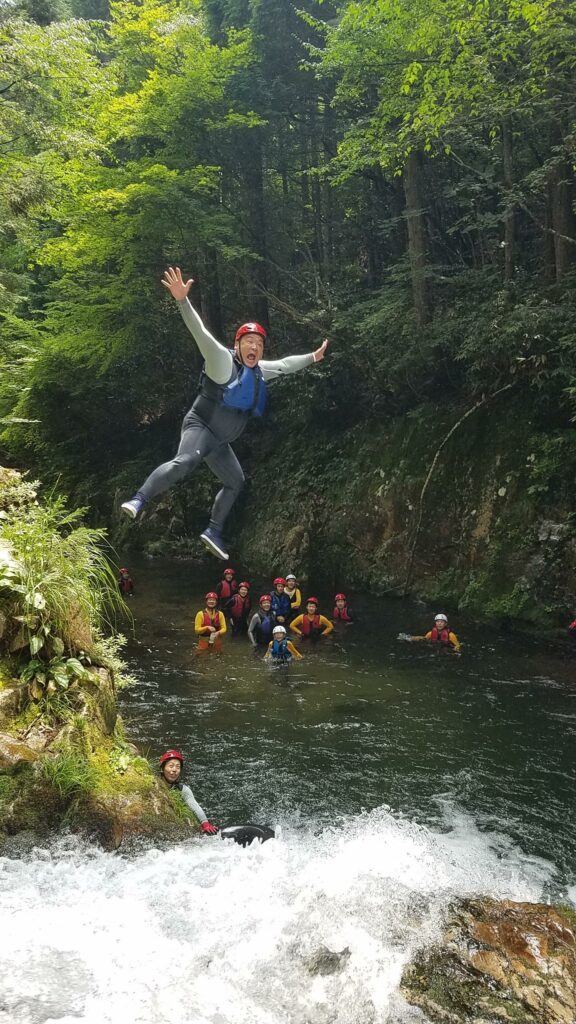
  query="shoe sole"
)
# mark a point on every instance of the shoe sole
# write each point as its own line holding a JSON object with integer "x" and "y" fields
{"x": 214, "y": 548}
{"x": 128, "y": 510}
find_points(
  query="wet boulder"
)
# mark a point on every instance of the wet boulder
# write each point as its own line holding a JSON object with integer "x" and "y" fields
{"x": 14, "y": 753}
{"x": 498, "y": 961}
{"x": 327, "y": 961}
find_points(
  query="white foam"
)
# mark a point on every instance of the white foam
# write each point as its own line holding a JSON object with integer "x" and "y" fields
{"x": 208, "y": 932}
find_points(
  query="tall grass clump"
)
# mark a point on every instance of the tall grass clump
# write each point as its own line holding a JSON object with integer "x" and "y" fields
{"x": 58, "y": 592}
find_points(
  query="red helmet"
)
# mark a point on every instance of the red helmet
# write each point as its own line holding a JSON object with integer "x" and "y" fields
{"x": 340, "y": 597}
{"x": 312, "y": 600}
{"x": 170, "y": 755}
{"x": 211, "y": 594}
{"x": 250, "y": 328}
{"x": 279, "y": 579}
{"x": 123, "y": 570}
{"x": 265, "y": 597}
{"x": 244, "y": 584}
{"x": 229, "y": 569}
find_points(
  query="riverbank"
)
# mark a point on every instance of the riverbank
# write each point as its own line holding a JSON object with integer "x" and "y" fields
{"x": 64, "y": 757}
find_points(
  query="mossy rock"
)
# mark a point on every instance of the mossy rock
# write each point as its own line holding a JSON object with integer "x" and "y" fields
{"x": 498, "y": 961}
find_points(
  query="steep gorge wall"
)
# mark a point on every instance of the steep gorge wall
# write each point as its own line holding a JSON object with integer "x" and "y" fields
{"x": 493, "y": 533}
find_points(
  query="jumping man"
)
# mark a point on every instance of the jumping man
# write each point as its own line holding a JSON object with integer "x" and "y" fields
{"x": 233, "y": 389}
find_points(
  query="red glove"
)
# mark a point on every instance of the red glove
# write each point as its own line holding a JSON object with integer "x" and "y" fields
{"x": 208, "y": 829}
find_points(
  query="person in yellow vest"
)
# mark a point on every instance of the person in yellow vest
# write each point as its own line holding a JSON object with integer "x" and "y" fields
{"x": 311, "y": 624}
{"x": 210, "y": 625}
{"x": 292, "y": 590}
{"x": 441, "y": 636}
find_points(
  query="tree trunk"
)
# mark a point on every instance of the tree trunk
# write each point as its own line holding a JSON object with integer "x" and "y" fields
{"x": 258, "y": 285}
{"x": 561, "y": 184}
{"x": 509, "y": 216}
{"x": 211, "y": 305}
{"x": 417, "y": 236}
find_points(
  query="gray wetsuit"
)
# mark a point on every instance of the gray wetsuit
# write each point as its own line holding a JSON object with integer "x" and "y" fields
{"x": 190, "y": 800}
{"x": 207, "y": 439}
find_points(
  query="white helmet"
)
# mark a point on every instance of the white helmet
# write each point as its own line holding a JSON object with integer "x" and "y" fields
{"x": 441, "y": 616}
{"x": 290, "y": 576}
{"x": 279, "y": 629}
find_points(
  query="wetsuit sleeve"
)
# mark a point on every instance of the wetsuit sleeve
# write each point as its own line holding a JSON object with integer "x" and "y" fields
{"x": 192, "y": 803}
{"x": 199, "y": 626}
{"x": 222, "y": 621}
{"x": 218, "y": 362}
{"x": 295, "y": 625}
{"x": 454, "y": 640}
{"x": 253, "y": 623}
{"x": 272, "y": 368}
{"x": 328, "y": 627}
{"x": 293, "y": 650}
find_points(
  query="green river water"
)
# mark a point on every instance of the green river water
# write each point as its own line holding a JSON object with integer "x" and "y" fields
{"x": 364, "y": 721}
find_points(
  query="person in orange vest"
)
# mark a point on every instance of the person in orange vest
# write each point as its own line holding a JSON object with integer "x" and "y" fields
{"x": 441, "y": 636}
{"x": 210, "y": 625}
{"x": 238, "y": 608}
{"x": 227, "y": 586}
{"x": 342, "y": 610}
{"x": 311, "y": 624}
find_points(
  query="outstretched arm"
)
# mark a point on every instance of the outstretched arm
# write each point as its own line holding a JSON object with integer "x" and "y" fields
{"x": 272, "y": 368}
{"x": 217, "y": 358}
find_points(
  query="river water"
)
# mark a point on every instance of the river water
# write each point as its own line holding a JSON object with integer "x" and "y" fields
{"x": 395, "y": 780}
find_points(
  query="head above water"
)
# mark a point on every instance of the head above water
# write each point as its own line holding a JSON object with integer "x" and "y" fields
{"x": 249, "y": 343}
{"x": 171, "y": 765}
{"x": 265, "y": 601}
{"x": 312, "y": 603}
{"x": 278, "y": 631}
{"x": 279, "y": 583}
{"x": 211, "y": 599}
{"x": 228, "y": 571}
{"x": 441, "y": 618}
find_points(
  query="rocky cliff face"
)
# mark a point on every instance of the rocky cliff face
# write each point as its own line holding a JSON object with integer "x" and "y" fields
{"x": 475, "y": 512}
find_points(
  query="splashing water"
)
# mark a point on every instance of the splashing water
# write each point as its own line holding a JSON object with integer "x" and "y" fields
{"x": 209, "y": 933}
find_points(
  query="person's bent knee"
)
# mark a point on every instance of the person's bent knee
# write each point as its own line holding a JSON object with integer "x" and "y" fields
{"x": 183, "y": 465}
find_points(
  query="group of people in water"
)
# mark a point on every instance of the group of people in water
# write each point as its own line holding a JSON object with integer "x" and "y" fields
{"x": 280, "y": 617}
{"x": 233, "y": 389}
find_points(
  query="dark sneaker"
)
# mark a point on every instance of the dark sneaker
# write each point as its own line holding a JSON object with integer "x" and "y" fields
{"x": 213, "y": 540}
{"x": 133, "y": 507}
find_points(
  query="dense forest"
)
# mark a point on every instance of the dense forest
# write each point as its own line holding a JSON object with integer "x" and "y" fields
{"x": 396, "y": 174}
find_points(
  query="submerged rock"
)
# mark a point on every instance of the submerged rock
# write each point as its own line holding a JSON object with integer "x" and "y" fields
{"x": 499, "y": 961}
{"x": 327, "y": 961}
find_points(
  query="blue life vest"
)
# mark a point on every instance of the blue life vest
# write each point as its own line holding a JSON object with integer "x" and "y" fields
{"x": 280, "y": 650}
{"x": 263, "y": 629}
{"x": 245, "y": 392}
{"x": 281, "y": 605}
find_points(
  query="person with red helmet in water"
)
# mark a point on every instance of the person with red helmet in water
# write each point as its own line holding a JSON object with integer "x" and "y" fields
{"x": 238, "y": 608}
{"x": 210, "y": 625}
{"x": 233, "y": 389}
{"x": 342, "y": 611}
{"x": 126, "y": 583}
{"x": 227, "y": 585}
{"x": 280, "y": 602}
{"x": 261, "y": 623}
{"x": 311, "y": 624}
{"x": 171, "y": 768}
